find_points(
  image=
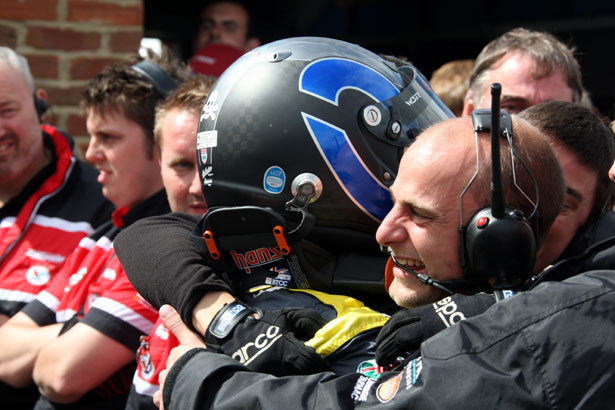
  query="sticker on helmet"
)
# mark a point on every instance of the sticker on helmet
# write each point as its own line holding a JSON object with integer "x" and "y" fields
{"x": 210, "y": 108}
{"x": 274, "y": 180}
{"x": 206, "y": 139}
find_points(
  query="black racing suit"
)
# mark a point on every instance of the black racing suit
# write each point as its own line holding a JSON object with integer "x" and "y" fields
{"x": 548, "y": 348}
{"x": 164, "y": 265}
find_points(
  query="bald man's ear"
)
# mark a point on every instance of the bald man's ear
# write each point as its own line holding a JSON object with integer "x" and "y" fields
{"x": 468, "y": 104}
{"x": 252, "y": 43}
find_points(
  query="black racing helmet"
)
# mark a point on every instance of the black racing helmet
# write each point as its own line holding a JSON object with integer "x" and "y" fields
{"x": 318, "y": 110}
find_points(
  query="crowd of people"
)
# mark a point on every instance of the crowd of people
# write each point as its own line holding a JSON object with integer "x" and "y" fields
{"x": 310, "y": 225}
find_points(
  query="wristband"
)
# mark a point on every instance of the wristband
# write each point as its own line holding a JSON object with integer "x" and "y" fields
{"x": 225, "y": 320}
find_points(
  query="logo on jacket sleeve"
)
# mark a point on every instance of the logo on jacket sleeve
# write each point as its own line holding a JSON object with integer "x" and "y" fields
{"x": 38, "y": 275}
{"x": 413, "y": 371}
{"x": 447, "y": 311}
{"x": 387, "y": 390}
{"x": 371, "y": 369}
{"x": 361, "y": 388}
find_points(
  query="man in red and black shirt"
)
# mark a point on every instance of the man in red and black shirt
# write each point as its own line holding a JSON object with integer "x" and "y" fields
{"x": 49, "y": 200}
{"x": 77, "y": 339}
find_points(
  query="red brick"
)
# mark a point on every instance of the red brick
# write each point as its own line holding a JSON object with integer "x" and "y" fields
{"x": 127, "y": 41}
{"x": 84, "y": 68}
{"x": 43, "y": 66}
{"x": 28, "y": 9}
{"x": 62, "y": 39}
{"x": 75, "y": 126}
{"x": 108, "y": 13}
{"x": 64, "y": 95}
{"x": 8, "y": 37}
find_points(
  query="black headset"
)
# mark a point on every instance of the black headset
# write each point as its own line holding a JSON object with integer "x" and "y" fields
{"x": 498, "y": 245}
{"x": 163, "y": 82}
{"x": 40, "y": 106}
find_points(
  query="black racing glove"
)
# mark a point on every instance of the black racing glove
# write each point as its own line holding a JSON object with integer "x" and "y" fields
{"x": 404, "y": 332}
{"x": 272, "y": 343}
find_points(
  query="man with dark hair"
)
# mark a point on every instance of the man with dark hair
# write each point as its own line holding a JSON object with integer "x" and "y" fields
{"x": 77, "y": 339}
{"x": 226, "y": 22}
{"x": 532, "y": 66}
{"x": 585, "y": 148}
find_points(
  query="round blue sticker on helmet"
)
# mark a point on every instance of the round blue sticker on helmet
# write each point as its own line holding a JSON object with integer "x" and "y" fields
{"x": 274, "y": 180}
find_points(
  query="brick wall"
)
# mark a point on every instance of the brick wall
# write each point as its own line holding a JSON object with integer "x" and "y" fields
{"x": 66, "y": 43}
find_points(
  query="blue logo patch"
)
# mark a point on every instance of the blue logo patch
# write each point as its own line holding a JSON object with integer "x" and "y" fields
{"x": 274, "y": 180}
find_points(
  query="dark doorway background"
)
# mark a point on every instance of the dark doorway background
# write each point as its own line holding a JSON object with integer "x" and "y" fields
{"x": 427, "y": 32}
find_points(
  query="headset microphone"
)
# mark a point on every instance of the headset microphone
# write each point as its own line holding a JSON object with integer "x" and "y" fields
{"x": 447, "y": 286}
{"x": 497, "y": 198}
{"x": 498, "y": 245}
{"x": 423, "y": 278}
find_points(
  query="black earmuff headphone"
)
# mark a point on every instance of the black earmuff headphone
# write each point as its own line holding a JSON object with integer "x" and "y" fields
{"x": 498, "y": 245}
{"x": 163, "y": 82}
{"x": 40, "y": 106}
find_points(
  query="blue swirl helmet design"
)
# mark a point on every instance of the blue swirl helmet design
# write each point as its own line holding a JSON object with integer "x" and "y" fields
{"x": 319, "y": 106}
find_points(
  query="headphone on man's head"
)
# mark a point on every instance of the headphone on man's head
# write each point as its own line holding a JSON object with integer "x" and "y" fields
{"x": 161, "y": 80}
{"x": 498, "y": 245}
{"x": 40, "y": 106}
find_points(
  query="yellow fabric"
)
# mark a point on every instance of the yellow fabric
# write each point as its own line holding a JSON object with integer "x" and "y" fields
{"x": 353, "y": 318}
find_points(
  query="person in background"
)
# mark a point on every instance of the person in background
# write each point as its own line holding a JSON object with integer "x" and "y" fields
{"x": 49, "y": 200}
{"x": 532, "y": 66}
{"x": 177, "y": 120}
{"x": 451, "y": 81}
{"x": 213, "y": 59}
{"x": 226, "y": 22}
{"x": 76, "y": 340}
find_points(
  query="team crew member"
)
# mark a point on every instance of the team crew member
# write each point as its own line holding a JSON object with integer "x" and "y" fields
{"x": 77, "y": 340}
{"x": 489, "y": 351}
{"x": 585, "y": 147}
{"x": 175, "y": 129}
{"x": 49, "y": 200}
{"x": 531, "y": 66}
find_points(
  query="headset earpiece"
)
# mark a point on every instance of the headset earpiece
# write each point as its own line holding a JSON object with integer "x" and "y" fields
{"x": 498, "y": 245}
{"x": 499, "y": 252}
{"x": 40, "y": 106}
{"x": 163, "y": 82}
